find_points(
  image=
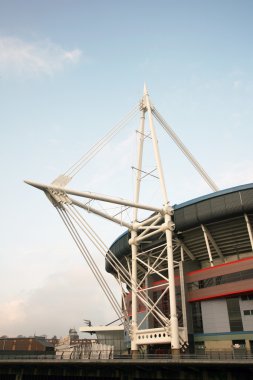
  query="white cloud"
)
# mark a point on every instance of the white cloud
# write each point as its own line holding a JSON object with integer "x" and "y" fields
{"x": 13, "y": 311}
{"x": 64, "y": 300}
{"x": 42, "y": 57}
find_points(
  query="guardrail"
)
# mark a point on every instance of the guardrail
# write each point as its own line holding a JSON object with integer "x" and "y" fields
{"x": 214, "y": 355}
{"x": 207, "y": 356}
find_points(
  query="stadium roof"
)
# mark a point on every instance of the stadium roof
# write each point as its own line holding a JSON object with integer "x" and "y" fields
{"x": 223, "y": 215}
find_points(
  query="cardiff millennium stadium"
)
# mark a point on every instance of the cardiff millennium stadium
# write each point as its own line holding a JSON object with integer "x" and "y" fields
{"x": 185, "y": 271}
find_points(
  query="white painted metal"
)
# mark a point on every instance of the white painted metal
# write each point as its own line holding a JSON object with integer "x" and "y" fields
{"x": 183, "y": 299}
{"x": 207, "y": 245}
{"x": 182, "y": 253}
{"x": 249, "y": 230}
{"x": 90, "y": 195}
{"x": 133, "y": 242}
{"x": 74, "y": 169}
{"x": 185, "y": 151}
{"x": 168, "y": 230}
{"x": 186, "y": 249}
{"x": 121, "y": 270}
{"x": 214, "y": 244}
{"x": 100, "y": 213}
{"x": 156, "y": 336}
{"x": 91, "y": 263}
{"x": 144, "y": 263}
{"x": 133, "y": 331}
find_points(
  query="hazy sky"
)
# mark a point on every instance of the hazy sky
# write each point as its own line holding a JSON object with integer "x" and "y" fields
{"x": 69, "y": 71}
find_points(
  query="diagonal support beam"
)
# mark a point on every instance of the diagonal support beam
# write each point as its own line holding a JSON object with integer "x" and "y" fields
{"x": 185, "y": 248}
{"x": 249, "y": 227}
{"x": 90, "y": 195}
{"x": 207, "y": 245}
{"x": 214, "y": 244}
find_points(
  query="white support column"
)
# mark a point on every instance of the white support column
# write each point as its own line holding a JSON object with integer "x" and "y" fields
{"x": 175, "y": 344}
{"x": 183, "y": 299}
{"x": 249, "y": 230}
{"x": 207, "y": 245}
{"x": 182, "y": 253}
{"x": 133, "y": 240}
{"x": 134, "y": 346}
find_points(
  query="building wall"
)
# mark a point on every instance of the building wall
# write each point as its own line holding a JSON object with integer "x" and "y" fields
{"x": 218, "y": 345}
{"x": 217, "y": 298}
{"x": 247, "y": 320}
{"x": 215, "y": 316}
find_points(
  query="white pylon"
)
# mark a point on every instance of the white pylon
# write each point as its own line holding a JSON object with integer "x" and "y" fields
{"x": 150, "y": 261}
{"x": 167, "y": 227}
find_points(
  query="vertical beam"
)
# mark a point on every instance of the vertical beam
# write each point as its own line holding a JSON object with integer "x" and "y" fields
{"x": 155, "y": 148}
{"x": 249, "y": 230}
{"x": 133, "y": 330}
{"x": 175, "y": 344}
{"x": 139, "y": 164}
{"x": 183, "y": 299}
{"x": 182, "y": 252}
{"x": 147, "y": 286}
{"x": 207, "y": 245}
{"x": 134, "y": 247}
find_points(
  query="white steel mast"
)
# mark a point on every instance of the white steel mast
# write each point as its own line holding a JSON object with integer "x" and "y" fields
{"x": 143, "y": 262}
{"x": 167, "y": 227}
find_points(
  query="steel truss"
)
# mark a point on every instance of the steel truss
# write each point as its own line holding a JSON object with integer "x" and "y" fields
{"x": 146, "y": 261}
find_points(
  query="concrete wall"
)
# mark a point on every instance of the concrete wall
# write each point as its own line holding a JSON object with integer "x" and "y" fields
{"x": 215, "y": 316}
{"x": 218, "y": 345}
{"x": 247, "y": 320}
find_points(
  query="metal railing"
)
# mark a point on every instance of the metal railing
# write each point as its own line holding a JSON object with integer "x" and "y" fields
{"x": 208, "y": 355}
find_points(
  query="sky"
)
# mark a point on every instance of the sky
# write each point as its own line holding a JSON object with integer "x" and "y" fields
{"x": 69, "y": 71}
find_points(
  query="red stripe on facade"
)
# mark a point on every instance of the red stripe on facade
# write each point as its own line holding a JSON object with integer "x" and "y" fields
{"x": 159, "y": 282}
{"x": 220, "y": 295}
{"x": 218, "y": 266}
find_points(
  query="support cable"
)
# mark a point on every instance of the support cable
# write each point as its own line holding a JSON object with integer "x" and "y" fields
{"x": 74, "y": 169}
{"x": 116, "y": 264}
{"x": 185, "y": 151}
{"x": 99, "y": 244}
{"x": 91, "y": 263}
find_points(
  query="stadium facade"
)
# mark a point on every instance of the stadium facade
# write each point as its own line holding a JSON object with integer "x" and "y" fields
{"x": 213, "y": 246}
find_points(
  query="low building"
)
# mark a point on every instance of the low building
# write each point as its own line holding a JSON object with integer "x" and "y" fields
{"x": 26, "y": 346}
{"x": 110, "y": 336}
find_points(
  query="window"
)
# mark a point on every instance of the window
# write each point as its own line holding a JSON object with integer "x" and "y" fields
{"x": 248, "y": 312}
{"x": 238, "y": 343}
{"x": 225, "y": 279}
{"x": 234, "y": 314}
{"x": 248, "y": 297}
{"x": 197, "y": 317}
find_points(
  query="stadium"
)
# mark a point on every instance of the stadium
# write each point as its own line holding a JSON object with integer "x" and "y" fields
{"x": 213, "y": 247}
{"x": 185, "y": 271}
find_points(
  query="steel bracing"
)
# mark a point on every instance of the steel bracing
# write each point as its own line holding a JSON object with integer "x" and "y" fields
{"x": 133, "y": 274}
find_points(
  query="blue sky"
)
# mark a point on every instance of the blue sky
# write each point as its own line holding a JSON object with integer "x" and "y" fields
{"x": 69, "y": 71}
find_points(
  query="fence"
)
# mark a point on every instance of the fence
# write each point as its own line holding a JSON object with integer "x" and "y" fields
{"x": 103, "y": 355}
